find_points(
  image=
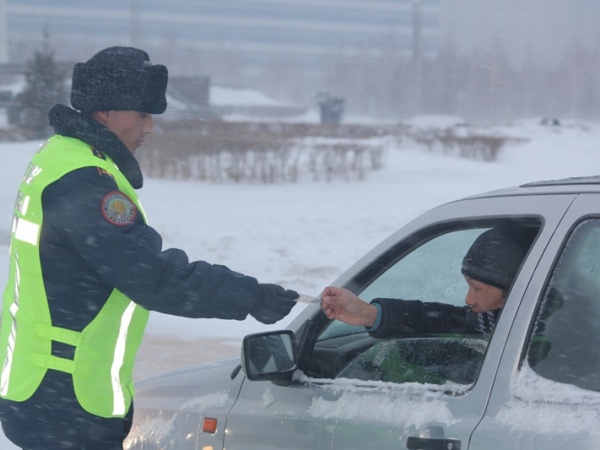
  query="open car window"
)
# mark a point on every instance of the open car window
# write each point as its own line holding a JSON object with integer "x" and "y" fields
{"x": 426, "y": 268}
{"x": 431, "y": 272}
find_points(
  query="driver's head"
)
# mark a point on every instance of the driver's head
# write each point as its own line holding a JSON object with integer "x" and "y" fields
{"x": 491, "y": 264}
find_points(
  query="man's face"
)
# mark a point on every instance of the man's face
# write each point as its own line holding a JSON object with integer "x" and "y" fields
{"x": 131, "y": 127}
{"x": 483, "y": 297}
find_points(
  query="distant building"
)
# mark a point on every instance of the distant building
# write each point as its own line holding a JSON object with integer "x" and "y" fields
{"x": 246, "y": 37}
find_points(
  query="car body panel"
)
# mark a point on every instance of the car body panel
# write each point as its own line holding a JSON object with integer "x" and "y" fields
{"x": 311, "y": 414}
{"x": 314, "y": 413}
{"x": 312, "y": 404}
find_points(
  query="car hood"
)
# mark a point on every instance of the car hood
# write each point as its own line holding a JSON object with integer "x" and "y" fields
{"x": 174, "y": 389}
{"x": 223, "y": 364}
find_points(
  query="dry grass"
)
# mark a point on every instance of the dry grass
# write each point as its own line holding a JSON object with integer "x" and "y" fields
{"x": 472, "y": 146}
{"x": 256, "y": 152}
{"x": 261, "y": 152}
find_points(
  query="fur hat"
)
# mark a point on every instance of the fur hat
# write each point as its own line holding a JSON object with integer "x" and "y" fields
{"x": 496, "y": 255}
{"x": 119, "y": 79}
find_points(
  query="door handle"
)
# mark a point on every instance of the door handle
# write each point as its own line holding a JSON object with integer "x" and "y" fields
{"x": 418, "y": 443}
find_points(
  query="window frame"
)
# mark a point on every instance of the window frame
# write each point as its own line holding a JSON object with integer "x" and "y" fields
{"x": 388, "y": 258}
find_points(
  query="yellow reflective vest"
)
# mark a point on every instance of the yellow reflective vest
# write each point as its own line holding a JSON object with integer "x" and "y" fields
{"x": 105, "y": 350}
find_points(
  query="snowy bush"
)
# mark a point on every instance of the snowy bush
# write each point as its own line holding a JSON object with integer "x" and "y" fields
{"x": 238, "y": 152}
{"x": 263, "y": 152}
{"x": 471, "y": 145}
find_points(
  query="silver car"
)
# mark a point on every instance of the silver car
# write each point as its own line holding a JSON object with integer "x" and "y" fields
{"x": 534, "y": 383}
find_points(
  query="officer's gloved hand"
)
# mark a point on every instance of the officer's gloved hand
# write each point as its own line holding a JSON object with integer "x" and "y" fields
{"x": 274, "y": 303}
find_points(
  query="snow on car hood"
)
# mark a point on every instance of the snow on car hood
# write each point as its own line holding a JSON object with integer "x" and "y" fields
{"x": 154, "y": 430}
{"x": 209, "y": 401}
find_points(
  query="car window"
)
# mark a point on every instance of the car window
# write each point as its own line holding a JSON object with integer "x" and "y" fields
{"x": 565, "y": 342}
{"x": 429, "y": 270}
{"x": 429, "y": 273}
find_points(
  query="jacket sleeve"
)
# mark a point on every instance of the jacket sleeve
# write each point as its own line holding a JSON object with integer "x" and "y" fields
{"x": 129, "y": 256}
{"x": 401, "y": 317}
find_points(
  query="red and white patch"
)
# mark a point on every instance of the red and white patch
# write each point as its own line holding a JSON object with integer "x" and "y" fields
{"x": 118, "y": 209}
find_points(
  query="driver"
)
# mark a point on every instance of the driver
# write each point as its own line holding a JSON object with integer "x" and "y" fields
{"x": 489, "y": 268}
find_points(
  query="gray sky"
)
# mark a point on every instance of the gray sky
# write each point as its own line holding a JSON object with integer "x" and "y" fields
{"x": 546, "y": 27}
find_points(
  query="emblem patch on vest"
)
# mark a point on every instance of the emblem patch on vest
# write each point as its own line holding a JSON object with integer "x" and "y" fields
{"x": 118, "y": 209}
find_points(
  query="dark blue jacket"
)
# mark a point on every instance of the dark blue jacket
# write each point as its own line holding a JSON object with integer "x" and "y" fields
{"x": 402, "y": 317}
{"x": 84, "y": 256}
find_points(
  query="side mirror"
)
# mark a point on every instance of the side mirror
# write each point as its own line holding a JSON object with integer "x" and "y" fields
{"x": 269, "y": 356}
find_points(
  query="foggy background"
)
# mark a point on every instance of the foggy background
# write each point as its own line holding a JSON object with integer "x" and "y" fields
{"x": 486, "y": 61}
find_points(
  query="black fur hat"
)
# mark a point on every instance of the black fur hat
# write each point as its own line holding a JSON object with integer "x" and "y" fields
{"x": 496, "y": 255}
{"x": 119, "y": 79}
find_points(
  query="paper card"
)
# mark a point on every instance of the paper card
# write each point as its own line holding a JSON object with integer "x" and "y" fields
{"x": 308, "y": 299}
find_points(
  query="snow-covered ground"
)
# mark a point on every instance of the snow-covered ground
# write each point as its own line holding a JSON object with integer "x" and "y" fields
{"x": 303, "y": 235}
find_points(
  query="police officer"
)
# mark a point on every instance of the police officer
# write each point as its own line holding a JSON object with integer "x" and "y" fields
{"x": 86, "y": 268}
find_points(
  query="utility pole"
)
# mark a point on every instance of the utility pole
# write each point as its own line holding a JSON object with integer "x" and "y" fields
{"x": 135, "y": 17}
{"x": 417, "y": 55}
{"x": 3, "y": 33}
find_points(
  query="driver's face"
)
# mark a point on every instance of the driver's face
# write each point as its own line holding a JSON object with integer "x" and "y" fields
{"x": 483, "y": 297}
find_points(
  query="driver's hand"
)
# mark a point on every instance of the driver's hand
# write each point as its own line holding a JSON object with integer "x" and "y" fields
{"x": 341, "y": 304}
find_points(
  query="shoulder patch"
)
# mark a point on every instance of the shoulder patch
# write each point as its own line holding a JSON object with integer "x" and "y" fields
{"x": 118, "y": 209}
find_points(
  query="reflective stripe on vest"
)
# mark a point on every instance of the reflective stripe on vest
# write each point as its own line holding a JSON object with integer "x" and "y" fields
{"x": 105, "y": 349}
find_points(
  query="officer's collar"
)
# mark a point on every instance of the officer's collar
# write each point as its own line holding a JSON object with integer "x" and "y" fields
{"x": 69, "y": 122}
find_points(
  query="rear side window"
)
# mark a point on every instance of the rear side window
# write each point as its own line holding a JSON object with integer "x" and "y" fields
{"x": 565, "y": 343}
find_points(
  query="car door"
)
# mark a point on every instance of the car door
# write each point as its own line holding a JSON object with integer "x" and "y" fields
{"x": 547, "y": 392}
{"x": 339, "y": 400}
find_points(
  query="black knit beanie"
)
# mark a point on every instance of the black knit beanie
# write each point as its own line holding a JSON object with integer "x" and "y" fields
{"x": 496, "y": 255}
{"x": 119, "y": 79}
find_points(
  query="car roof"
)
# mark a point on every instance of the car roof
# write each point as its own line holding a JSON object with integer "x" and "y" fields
{"x": 574, "y": 185}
